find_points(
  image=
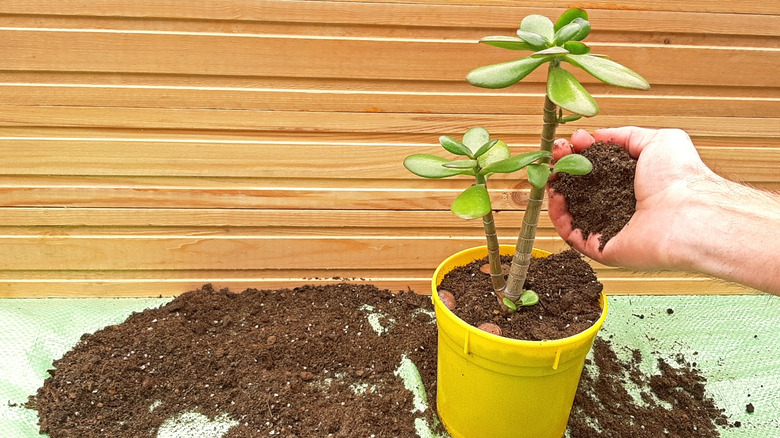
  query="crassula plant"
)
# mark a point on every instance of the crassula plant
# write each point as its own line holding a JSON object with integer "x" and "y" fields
{"x": 555, "y": 44}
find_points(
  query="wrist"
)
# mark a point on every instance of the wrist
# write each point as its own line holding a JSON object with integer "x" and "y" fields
{"x": 689, "y": 205}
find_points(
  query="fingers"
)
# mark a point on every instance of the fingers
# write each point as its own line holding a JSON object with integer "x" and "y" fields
{"x": 561, "y": 148}
{"x": 632, "y": 138}
{"x": 559, "y": 213}
{"x": 617, "y": 135}
{"x": 581, "y": 139}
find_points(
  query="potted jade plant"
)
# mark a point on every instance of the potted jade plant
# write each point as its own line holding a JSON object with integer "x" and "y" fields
{"x": 488, "y": 385}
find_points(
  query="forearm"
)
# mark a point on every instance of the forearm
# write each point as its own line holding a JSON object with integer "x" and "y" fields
{"x": 733, "y": 233}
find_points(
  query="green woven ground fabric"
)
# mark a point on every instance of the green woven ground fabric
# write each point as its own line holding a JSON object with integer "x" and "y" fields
{"x": 735, "y": 340}
{"x": 34, "y": 332}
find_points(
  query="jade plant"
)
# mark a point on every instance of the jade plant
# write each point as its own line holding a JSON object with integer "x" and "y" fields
{"x": 555, "y": 44}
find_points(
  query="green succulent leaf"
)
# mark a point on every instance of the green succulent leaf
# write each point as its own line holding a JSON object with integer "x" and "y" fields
{"x": 535, "y": 40}
{"x": 513, "y": 164}
{"x": 475, "y": 138}
{"x": 504, "y": 74}
{"x": 569, "y": 16}
{"x": 485, "y": 148}
{"x": 538, "y": 24}
{"x": 431, "y": 166}
{"x": 500, "y": 151}
{"x": 538, "y": 174}
{"x": 570, "y": 31}
{"x": 555, "y": 50}
{"x": 463, "y": 165}
{"x": 473, "y": 203}
{"x": 528, "y": 298}
{"x": 509, "y": 304}
{"x": 566, "y": 91}
{"x": 609, "y": 71}
{"x": 454, "y": 146}
{"x": 576, "y": 48}
{"x": 507, "y": 42}
{"x": 584, "y": 31}
{"x": 574, "y": 164}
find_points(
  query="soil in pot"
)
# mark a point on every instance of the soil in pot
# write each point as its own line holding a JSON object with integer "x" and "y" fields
{"x": 288, "y": 362}
{"x": 603, "y": 201}
{"x": 568, "y": 298}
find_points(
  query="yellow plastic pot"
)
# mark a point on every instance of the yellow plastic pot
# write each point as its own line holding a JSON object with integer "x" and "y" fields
{"x": 493, "y": 387}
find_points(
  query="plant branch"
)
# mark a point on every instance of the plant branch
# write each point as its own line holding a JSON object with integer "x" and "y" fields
{"x": 525, "y": 242}
{"x": 494, "y": 256}
{"x": 494, "y": 253}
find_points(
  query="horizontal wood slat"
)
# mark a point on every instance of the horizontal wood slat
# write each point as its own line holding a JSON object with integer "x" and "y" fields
{"x": 221, "y": 193}
{"x": 244, "y": 251}
{"x": 636, "y": 5}
{"x": 148, "y": 148}
{"x": 98, "y": 51}
{"x": 744, "y": 16}
{"x": 370, "y": 122}
{"x": 383, "y": 97}
{"x": 166, "y": 283}
{"x": 390, "y": 219}
{"x": 271, "y": 159}
{"x": 516, "y": 139}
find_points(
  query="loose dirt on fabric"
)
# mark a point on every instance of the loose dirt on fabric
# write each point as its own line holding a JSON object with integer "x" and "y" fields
{"x": 307, "y": 362}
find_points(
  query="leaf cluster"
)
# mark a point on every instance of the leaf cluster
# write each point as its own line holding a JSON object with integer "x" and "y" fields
{"x": 527, "y": 298}
{"x": 554, "y": 44}
{"x": 482, "y": 158}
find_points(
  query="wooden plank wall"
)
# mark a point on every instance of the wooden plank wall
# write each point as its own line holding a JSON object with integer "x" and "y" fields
{"x": 149, "y": 147}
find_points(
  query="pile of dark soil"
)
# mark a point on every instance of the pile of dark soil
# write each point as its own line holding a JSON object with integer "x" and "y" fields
{"x": 281, "y": 363}
{"x": 568, "y": 297}
{"x": 286, "y": 361}
{"x": 603, "y": 201}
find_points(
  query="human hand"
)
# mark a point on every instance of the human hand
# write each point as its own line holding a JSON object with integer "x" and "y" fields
{"x": 668, "y": 167}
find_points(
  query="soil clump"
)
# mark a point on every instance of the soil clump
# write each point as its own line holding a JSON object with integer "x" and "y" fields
{"x": 603, "y": 201}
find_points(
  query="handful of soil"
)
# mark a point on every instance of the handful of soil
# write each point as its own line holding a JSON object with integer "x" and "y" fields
{"x": 603, "y": 201}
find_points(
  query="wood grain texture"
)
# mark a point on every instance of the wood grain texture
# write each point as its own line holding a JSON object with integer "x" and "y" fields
{"x": 403, "y": 12}
{"x": 330, "y": 58}
{"x": 150, "y": 148}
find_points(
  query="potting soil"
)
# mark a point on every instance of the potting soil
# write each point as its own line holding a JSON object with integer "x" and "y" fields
{"x": 603, "y": 201}
{"x": 729, "y": 341}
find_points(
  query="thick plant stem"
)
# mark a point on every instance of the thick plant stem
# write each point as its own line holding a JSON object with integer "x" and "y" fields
{"x": 525, "y": 242}
{"x": 494, "y": 253}
{"x": 494, "y": 256}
